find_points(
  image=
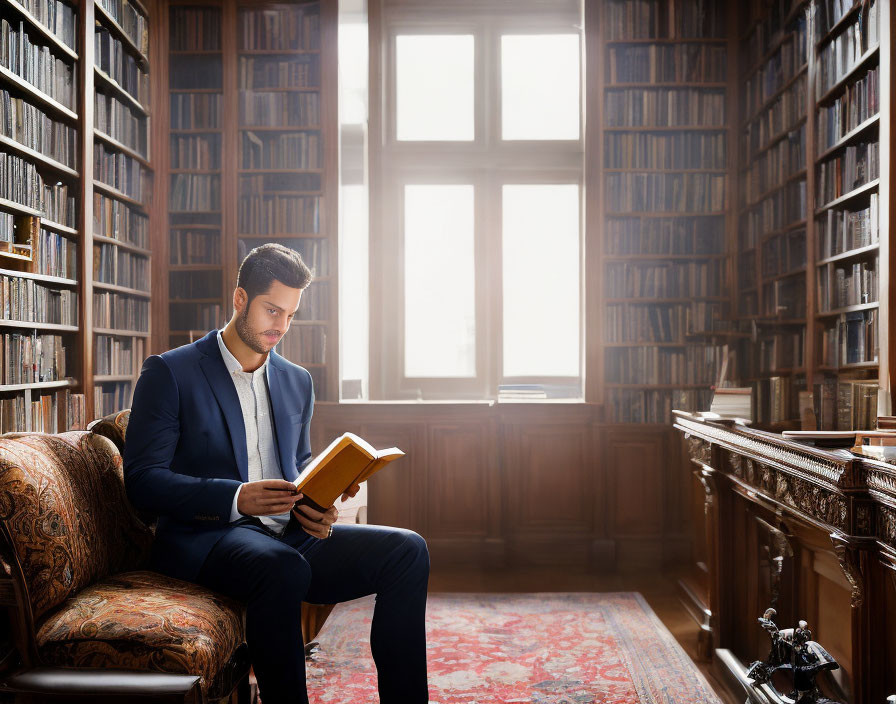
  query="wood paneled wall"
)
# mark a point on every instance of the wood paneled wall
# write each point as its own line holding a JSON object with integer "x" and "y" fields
{"x": 521, "y": 484}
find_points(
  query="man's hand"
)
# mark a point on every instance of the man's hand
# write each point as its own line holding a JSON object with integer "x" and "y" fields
{"x": 314, "y": 522}
{"x": 267, "y": 497}
{"x": 351, "y": 491}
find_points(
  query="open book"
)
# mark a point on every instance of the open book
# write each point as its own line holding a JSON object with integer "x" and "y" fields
{"x": 348, "y": 460}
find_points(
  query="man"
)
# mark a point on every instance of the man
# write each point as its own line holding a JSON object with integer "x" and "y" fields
{"x": 218, "y": 429}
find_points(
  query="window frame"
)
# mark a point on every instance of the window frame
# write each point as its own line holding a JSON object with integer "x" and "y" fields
{"x": 487, "y": 163}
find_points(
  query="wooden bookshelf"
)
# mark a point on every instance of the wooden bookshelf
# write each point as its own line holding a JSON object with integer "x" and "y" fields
{"x": 273, "y": 129}
{"x": 663, "y": 177}
{"x": 121, "y": 199}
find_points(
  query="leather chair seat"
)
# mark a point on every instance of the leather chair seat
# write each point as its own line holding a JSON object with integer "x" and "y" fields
{"x": 146, "y": 621}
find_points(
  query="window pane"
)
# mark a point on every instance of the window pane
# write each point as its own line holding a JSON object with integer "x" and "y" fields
{"x": 440, "y": 318}
{"x": 540, "y": 86}
{"x": 434, "y": 87}
{"x": 541, "y": 280}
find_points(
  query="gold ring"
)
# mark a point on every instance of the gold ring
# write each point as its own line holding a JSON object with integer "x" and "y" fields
{"x": 330, "y": 532}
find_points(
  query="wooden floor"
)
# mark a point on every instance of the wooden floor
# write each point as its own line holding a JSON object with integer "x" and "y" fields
{"x": 659, "y": 589}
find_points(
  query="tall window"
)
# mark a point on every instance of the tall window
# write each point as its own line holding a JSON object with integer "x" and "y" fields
{"x": 477, "y": 252}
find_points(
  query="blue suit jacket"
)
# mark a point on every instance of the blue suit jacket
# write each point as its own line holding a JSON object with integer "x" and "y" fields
{"x": 185, "y": 448}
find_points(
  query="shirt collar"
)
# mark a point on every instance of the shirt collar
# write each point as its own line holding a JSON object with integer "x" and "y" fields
{"x": 232, "y": 363}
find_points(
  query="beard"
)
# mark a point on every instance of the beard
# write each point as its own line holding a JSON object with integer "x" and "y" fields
{"x": 252, "y": 340}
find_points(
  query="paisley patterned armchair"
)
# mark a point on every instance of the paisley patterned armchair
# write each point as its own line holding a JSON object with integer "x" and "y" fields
{"x": 86, "y": 620}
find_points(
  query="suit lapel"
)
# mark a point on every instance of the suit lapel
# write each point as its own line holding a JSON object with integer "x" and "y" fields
{"x": 225, "y": 392}
{"x": 281, "y": 420}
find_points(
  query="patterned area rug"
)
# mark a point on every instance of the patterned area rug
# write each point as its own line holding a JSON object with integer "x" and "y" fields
{"x": 576, "y": 648}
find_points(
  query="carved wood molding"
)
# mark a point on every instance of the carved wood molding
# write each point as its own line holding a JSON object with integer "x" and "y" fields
{"x": 849, "y": 560}
{"x": 699, "y": 450}
{"x": 886, "y": 525}
{"x": 800, "y": 461}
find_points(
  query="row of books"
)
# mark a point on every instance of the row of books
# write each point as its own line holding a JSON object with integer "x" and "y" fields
{"x": 131, "y": 20}
{"x": 842, "y": 54}
{"x": 852, "y": 338}
{"x": 651, "y": 19}
{"x": 845, "y": 404}
{"x": 195, "y": 284}
{"x": 685, "y": 150}
{"x": 258, "y": 109}
{"x": 774, "y": 166}
{"x": 663, "y": 279}
{"x": 293, "y": 150}
{"x": 51, "y": 413}
{"x": 653, "y": 406}
{"x": 634, "y": 235}
{"x": 784, "y": 253}
{"x": 56, "y": 255}
{"x": 315, "y": 303}
{"x": 291, "y": 182}
{"x": 114, "y": 265}
{"x": 840, "y": 231}
{"x": 31, "y": 127}
{"x": 772, "y": 399}
{"x": 305, "y": 344}
{"x": 272, "y": 214}
{"x": 195, "y": 151}
{"x": 194, "y": 247}
{"x": 28, "y": 301}
{"x": 29, "y": 359}
{"x": 116, "y": 119}
{"x": 196, "y": 72}
{"x": 640, "y": 323}
{"x": 828, "y": 13}
{"x": 119, "y": 311}
{"x": 194, "y": 29}
{"x": 195, "y": 111}
{"x": 113, "y": 59}
{"x": 36, "y": 64}
{"x": 279, "y": 28}
{"x": 260, "y": 72}
{"x": 780, "y": 116}
{"x": 779, "y": 68}
{"x": 852, "y": 285}
{"x": 860, "y": 102}
{"x": 196, "y": 316}
{"x": 112, "y": 218}
{"x": 57, "y": 16}
{"x": 118, "y": 355}
{"x": 111, "y": 397}
{"x": 20, "y": 182}
{"x": 766, "y": 27}
{"x": 664, "y": 192}
{"x": 57, "y": 203}
{"x": 774, "y": 212}
{"x": 856, "y": 165}
{"x": 195, "y": 192}
{"x": 661, "y": 365}
{"x": 664, "y": 107}
{"x": 666, "y": 63}
{"x": 785, "y": 298}
{"x": 121, "y": 171}
{"x": 783, "y": 351}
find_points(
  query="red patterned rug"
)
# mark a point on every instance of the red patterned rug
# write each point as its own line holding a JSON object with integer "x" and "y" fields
{"x": 577, "y": 648}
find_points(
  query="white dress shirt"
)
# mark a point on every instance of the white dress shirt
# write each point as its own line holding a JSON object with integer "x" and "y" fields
{"x": 261, "y": 443}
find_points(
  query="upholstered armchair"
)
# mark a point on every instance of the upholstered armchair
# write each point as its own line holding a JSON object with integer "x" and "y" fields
{"x": 86, "y": 620}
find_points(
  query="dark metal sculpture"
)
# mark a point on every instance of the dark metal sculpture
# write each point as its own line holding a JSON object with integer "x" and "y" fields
{"x": 793, "y": 651}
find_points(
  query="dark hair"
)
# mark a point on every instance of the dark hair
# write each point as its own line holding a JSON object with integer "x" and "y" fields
{"x": 268, "y": 263}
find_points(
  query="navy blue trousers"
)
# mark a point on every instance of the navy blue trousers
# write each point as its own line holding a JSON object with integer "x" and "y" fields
{"x": 272, "y": 575}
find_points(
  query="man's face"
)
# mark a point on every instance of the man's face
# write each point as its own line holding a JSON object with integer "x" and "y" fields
{"x": 266, "y": 319}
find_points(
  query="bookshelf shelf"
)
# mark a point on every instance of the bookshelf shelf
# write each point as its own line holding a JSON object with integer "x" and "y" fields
{"x": 871, "y": 249}
{"x": 278, "y": 52}
{"x": 18, "y": 208}
{"x": 50, "y": 327}
{"x": 838, "y": 26}
{"x": 56, "y": 43}
{"x": 861, "y": 65}
{"x": 103, "y": 137}
{"x": 120, "y": 92}
{"x": 850, "y": 136}
{"x": 847, "y": 367}
{"x": 767, "y": 103}
{"x": 122, "y": 289}
{"x": 108, "y": 378}
{"x": 671, "y": 84}
{"x": 775, "y": 189}
{"x": 34, "y": 94}
{"x": 44, "y": 278}
{"x": 121, "y": 333}
{"x": 64, "y": 229}
{"x": 848, "y": 309}
{"x": 46, "y": 161}
{"x": 852, "y": 195}
{"x": 61, "y": 384}
{"x": 782, "y": 135}
{"x": 102, "y": 239}
{"x": 110, "y": 23}
{"x": 118, "y": 195}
